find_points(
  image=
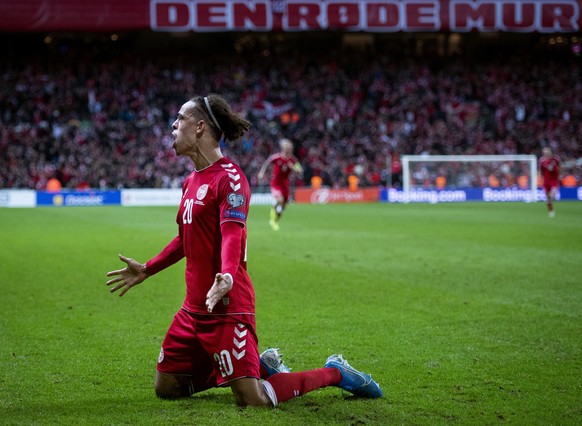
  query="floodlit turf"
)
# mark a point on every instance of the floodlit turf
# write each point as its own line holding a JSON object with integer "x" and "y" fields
{"x": 464, "y": 313}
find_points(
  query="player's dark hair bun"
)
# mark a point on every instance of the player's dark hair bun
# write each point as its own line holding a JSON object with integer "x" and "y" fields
{"x": 232, "y": 124}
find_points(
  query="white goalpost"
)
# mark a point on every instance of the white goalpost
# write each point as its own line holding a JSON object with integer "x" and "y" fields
{"x": 440, "y": 172}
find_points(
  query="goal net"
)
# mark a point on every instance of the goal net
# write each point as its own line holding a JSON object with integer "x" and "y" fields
{"x": 507, "y": 177}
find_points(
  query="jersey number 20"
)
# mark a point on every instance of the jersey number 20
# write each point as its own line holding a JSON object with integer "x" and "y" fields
{"x": 187, "y": 215}
{"x": 224, "y": 362}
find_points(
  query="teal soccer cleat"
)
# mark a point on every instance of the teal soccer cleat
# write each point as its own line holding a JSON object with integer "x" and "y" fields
{"x": 354, "y": 381}
{"x": 272, "y": 362}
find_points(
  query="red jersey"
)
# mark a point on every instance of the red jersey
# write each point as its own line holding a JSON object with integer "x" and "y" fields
{"x": 282, "y": 168}
{"x": 210, "y": 197}
{"x": 550, "y": 169}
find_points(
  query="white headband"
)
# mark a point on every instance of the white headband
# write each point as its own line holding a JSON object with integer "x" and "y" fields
{"x": 211, "y": 113}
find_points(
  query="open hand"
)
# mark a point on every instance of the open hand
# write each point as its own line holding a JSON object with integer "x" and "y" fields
{"x": 222, "y": 285}
{"x": 127, "y": 277}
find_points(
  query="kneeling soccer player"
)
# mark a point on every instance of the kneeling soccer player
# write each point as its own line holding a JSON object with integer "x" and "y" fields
{"x": 212, "y": 340}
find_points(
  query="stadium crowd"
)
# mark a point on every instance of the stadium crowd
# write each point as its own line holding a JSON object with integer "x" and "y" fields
{"x": 99, "y": 119}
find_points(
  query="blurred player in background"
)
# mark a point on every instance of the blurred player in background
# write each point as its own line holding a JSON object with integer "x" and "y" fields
{"x": 284, "y": 163}
{"x": 549, "y": 171}
{"x": 212, "y": 340}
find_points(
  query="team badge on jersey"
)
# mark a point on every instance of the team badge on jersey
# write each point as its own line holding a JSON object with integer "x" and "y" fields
{"x": 202, "y": 191}
{"x": 235, "y": 200}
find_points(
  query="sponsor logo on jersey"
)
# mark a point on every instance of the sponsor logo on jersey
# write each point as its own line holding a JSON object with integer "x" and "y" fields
{"x": 235, "y": 200}
{"x": 235, "y": 214}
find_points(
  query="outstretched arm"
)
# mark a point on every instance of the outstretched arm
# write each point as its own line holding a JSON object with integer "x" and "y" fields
{"x": 135, "y": 273}
{"x": 263, "y": 169}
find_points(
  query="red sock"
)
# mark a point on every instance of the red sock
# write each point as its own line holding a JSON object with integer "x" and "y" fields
{"x": 264, "y": 373}
{"x": 290, "y": 385}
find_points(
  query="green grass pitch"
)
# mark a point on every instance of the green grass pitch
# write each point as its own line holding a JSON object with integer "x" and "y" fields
{"x": 467, "y": 314}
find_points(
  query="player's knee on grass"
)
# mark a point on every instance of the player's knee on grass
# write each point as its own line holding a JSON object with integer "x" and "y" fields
{"x": 172, "y": 387}
{"x": 249, "y": 392}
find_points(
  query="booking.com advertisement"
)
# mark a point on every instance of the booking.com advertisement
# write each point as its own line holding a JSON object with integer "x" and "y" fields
{"x": 169, "y": 197}
{"x": 433, "y": 196}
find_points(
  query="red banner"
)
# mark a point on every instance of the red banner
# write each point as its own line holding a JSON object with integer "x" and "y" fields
{"x": 325, "y": 195}
{"x": 74, "y": 15}
{"x": 293, "y": 15}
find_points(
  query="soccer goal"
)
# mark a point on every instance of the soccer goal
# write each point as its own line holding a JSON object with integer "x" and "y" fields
{"x": 514, "y": 173}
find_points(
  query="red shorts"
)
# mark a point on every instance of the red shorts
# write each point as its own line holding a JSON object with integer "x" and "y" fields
{"x": 278, "y": 191}
{"x": 550, "y": 184}
{"x": 213, "y": 349}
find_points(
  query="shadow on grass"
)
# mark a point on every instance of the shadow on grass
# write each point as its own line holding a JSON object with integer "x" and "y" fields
{"x": 314, "y": 408}
{"x": 112, "y": 407}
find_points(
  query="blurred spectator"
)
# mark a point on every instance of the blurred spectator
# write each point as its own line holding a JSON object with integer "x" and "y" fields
{"x": 569, "y": 181}
{"x": 53, "y": 185}
{"x": 95, "y": 118}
